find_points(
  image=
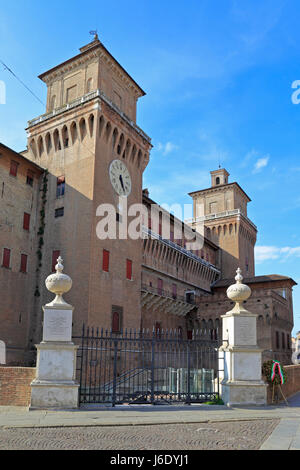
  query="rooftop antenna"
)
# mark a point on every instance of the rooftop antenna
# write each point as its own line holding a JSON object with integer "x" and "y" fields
{"x": 219, "y": 160}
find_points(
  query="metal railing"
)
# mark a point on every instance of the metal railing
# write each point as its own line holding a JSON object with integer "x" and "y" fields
{"x": 219, "y": 215}
{"x": 167, "y": 294}
{"x": 154, "y": 235}
{"x": 84, "y": 99}
{"x": 146, "y": 367}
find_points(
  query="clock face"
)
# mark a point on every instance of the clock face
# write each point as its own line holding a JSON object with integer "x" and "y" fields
{"x": 120, "y": 178}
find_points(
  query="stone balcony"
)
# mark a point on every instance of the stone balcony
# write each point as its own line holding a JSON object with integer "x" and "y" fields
{"x": 97, "y": 94}
{"x": 220, "y": 215}
{"x": 159, "y": 299}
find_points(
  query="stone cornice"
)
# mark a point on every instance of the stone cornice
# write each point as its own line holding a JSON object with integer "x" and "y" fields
{"x": 98, "y": 51}
{"x": 219, "y": 188}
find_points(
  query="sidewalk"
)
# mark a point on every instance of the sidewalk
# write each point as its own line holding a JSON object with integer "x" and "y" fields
{"x": 285, "y": 436}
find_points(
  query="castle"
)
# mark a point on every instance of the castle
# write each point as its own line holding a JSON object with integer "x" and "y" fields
{"x": 87, "y": 153}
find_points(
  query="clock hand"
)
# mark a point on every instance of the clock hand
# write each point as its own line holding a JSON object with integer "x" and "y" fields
{"x": 122, "y": 184}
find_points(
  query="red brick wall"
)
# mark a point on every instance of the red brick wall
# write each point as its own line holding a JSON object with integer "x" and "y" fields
{"x": 15, "y": 385}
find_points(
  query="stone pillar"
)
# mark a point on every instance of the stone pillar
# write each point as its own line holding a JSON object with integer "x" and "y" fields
{"x": 54, "y": 385}
{"x": 240, "y": 357}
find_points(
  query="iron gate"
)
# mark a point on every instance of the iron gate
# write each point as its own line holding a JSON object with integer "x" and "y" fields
{"x": 144, "y": 367}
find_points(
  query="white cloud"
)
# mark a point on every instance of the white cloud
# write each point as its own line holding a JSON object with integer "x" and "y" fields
{"x": 166, "y": 148}
{"x": 261, "y": 163}
{"x": 264, "y": 253}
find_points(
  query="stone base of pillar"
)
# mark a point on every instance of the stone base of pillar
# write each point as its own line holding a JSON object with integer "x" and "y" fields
{"x": 244, "y": 393}
{"x": 51, "y": 395}
{"x": 54, "y": 385}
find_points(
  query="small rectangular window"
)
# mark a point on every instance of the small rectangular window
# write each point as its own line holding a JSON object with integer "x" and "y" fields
{"x": 129, "y": 269}
{"x": 23, "y": 267}
{"x": 59, "y": 212}
{"x": 55, "y": 256}
{"x": 60, "y": 186}
{"x": 13, "y": 168}
{"x": 105, "y": 261}
{"x": 30, "y": 178}
{"x": 6, "y": 258}
{"x": 26, "y": 221}
{"x": 116, "y": 319}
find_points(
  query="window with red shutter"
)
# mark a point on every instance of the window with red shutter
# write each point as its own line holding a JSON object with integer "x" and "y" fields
{"x": 105, "y": 261}
{"x": 6, "y": 258}
{"x": 55, "y": 256}
{"x": 116, "y": 322}
{"x": 129, "y": 269}
{"x": 13, "y": 168}
{"x": 23, "y": 267}
{"x": 26, "y": 221}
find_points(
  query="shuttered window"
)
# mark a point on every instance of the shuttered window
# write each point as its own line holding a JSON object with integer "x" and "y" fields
{"x": 23, "y": 267}
{"x": 105, "y": 261}
{"x": 55, "y": 256}
{"x": 129, "y": 269}
{"x": 6, "y": 258}
{"x": 26, "y": 221}
{"x": 13, "y": 168}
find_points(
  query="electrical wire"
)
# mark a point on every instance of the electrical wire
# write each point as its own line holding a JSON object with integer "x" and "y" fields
{"x": 19, "y": 80}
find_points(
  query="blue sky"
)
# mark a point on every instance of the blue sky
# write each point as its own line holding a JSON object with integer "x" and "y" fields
{"x": 218, "y": 77}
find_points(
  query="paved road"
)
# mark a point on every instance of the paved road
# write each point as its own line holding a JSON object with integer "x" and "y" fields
{"x": 153, "y": 427}
{"x": 240, "y": 435}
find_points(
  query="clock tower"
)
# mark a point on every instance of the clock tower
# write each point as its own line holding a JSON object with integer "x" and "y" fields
{"x": 94, "y": 152}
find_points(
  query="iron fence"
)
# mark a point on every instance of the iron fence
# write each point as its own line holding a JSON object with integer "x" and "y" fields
{"x": 146, "y": 367}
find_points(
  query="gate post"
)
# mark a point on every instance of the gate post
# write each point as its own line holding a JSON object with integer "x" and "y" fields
{"x": 54, "y": 385}
{"x": 241, "y": 381}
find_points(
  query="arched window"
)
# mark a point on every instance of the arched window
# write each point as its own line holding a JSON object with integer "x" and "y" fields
{"x": 120, "y": 145}
{"x": 91, "y": 124}
{"x": 48, "y": 142}
{"x": 82, "y": 127}
{"x": 65, "y": 137}
{"x": 33, "y": 147}
{"x": 217, "y": 180}
{"x": 101, "y": 125}
{"x": 107, "y": 131}
{"x": 56, "y": 140}
{"x": 74, "y": 132}
{"x": 40, "y": 146}
{"x": 114, "y": 138}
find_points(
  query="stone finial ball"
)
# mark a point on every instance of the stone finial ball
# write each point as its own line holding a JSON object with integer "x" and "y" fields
{"x": 59, "y": 283}
{"x": 238, "y": 292}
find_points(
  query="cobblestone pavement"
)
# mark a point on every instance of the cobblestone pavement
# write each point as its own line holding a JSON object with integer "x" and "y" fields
{"x": 234, "y": 435}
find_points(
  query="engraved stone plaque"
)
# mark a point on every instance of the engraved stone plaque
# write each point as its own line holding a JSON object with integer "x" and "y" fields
{"x": 245, "y": 331}
{"x": 57, "y": 325}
